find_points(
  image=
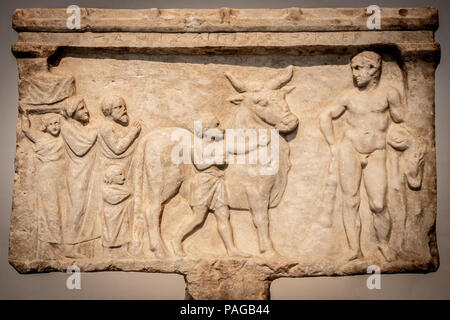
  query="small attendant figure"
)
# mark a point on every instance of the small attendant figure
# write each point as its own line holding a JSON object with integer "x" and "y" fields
{"x": 116, "y": 211}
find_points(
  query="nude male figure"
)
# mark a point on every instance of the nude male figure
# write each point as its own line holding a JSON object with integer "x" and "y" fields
{"x": 361, "y": 154}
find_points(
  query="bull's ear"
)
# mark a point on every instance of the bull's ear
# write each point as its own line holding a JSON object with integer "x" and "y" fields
{"x": 288, "y": 89}
{"x": 236, "y": 99}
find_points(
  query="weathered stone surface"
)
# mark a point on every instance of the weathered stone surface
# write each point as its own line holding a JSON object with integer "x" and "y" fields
{"x": 321, "y": 144}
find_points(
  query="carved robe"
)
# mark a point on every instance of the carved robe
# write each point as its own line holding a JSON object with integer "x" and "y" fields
{"x": 116, "y": 213}
{"x": 51, "y": 193}
{"x": 115, "y": 133}
{"x": 207, "y": 189}
{"x": 83, "y": 184}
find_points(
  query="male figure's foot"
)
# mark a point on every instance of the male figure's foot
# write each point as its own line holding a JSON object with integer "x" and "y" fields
{"x": 235, "y": 252}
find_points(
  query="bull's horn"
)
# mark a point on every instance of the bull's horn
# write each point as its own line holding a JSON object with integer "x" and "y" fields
{"x": 239, "y": 86}
{"x": 281, "y": 80}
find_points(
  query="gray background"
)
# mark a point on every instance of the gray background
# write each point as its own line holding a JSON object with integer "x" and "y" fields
{"x": 121, "y": 285}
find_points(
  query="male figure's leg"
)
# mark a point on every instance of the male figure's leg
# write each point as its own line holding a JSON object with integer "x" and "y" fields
{"x": 375, "y": 181}
{"x": 350, "y": 179}
{"x": 222, "y": 214}
{"x": 196, "y": 219}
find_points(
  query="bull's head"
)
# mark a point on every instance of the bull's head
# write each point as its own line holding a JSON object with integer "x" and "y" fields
{"x": 268, "y": 100}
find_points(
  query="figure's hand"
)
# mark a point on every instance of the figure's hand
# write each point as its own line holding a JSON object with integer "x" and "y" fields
{"x": 62, "y": 114}
{"x": 137, "y": 126}
{"x": 25, "y": 121}
{"x": 217, "y": 159}
{"x": 398, "y": 138}
{"x": 22, "y": 111}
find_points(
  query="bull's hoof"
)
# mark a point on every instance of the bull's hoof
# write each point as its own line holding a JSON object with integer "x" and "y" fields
{"x": 136, "y": 251}
{"x": 124, "y": 252}
{"x": 178, "y": 248}
{"x": 354, "y": 255}
{"x": 160, "y": 252}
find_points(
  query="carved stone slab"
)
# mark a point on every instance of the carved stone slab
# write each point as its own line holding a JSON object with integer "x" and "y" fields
{"x": 231, "y": 146}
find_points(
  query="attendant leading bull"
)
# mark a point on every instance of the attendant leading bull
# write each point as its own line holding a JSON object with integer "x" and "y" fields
{"x": 258, "y": 107}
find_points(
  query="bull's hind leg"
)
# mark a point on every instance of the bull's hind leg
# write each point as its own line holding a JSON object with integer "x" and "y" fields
{"x": 155, "y": 172}
{"x": 152, "y": 214}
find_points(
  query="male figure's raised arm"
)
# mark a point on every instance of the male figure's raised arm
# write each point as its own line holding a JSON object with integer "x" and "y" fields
{"x": 396, "y": 106}
{"x": 119, "y": 145}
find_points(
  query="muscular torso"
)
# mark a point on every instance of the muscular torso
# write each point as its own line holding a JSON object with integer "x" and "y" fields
{"x": 368, "y": 119}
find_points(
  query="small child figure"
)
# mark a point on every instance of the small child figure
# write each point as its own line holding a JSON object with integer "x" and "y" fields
{"x": 116, "y": 211}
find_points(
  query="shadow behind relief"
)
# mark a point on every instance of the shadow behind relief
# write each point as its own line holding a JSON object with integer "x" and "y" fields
{"x": 163, "y": 90}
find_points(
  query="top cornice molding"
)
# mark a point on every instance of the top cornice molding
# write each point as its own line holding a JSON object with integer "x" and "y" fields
{"x": 223, "y": 20}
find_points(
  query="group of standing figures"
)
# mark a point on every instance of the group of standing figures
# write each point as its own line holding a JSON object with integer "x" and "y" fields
{"x": 70, "y": 155}
{"x": 67, "y": 189}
